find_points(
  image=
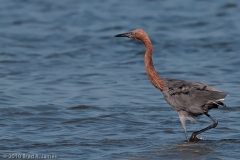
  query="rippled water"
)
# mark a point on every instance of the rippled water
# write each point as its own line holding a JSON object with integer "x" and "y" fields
{"x": 72, "y": 90}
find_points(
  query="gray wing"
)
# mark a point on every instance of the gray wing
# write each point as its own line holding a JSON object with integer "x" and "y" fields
{"x": 193, "y": 97}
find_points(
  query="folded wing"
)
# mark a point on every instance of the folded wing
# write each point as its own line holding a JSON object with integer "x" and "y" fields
{"x": 194, "y": 97}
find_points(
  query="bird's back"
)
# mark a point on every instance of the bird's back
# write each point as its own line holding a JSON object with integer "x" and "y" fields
{"x": 193, "y": 97}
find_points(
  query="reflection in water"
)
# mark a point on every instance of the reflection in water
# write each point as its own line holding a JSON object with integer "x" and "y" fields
{"x": 197, "y": 151}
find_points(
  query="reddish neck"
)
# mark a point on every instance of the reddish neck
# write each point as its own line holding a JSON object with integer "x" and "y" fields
{"x": 151, "y": 72}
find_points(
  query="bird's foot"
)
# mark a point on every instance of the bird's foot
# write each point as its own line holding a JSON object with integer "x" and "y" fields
{"x": 194, "y": 138}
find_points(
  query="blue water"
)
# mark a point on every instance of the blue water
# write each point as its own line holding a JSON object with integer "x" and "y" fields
{"x": 71, "y": 90}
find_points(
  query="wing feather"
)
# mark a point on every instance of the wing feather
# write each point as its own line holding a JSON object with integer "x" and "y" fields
{"x": 193, "y": 97}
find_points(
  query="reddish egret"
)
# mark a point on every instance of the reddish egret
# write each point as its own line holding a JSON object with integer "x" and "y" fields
{"x": 190, "y": 99}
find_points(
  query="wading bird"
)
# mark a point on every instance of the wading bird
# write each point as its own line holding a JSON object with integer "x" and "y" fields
{"x": 190, "y": 99}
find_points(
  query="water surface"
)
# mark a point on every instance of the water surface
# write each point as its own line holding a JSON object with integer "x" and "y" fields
{"x": 69, "y": 88}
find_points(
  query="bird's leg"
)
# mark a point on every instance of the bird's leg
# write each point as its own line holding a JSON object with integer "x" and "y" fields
{"x": 183, "y": 122}
{"x": 194, "y": 134}
{"x": 186, "y": 134}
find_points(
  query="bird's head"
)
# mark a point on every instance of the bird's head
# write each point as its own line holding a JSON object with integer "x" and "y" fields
{"x": 136, "y": 34}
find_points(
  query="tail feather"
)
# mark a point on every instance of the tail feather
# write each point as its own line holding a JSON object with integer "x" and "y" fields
{"x": 213, "y": 104}
{"x": 221, "y": 104}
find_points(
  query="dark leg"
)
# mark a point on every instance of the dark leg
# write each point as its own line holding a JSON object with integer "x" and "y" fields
{"x": 194, "y": 134}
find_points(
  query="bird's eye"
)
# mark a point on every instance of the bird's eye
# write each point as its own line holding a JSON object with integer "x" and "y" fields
{"x": 132, "y": 33}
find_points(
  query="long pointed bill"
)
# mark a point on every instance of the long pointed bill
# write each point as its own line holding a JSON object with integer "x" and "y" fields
{"x": 123, "y": 35}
